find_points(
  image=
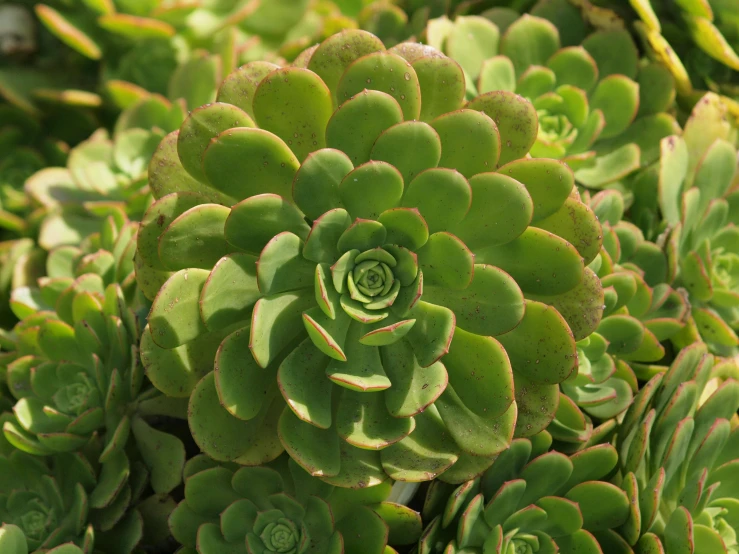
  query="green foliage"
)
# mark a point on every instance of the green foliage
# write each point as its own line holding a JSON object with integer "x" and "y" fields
{"x": 368, "y": 352}
{"x": 529, "y": 500}
{"x": 267, "y": 265}
{"x": 678, "y": 457}
{"x": 587, "y": 87}
{"x": 280, "y": 508}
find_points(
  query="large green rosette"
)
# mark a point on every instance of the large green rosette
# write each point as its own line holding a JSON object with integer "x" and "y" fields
{"x": 338, "y": 259}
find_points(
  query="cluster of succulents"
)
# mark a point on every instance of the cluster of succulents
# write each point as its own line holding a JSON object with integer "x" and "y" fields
{"x": 369, "y": 277}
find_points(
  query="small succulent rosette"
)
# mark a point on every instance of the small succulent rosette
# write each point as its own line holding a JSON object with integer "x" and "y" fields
{"x": 640, "y": 312}
{"x": 72, "y": 366}
{"x": 696, "y": 192}
{"x": 102, "y": 175}
{"x": 14, "y": 541}
{"x": 531, "y": 501}
{"x": 600, "y": 110}
{"x": 678, "y": 446}
{"x": 279, "y": 508}
{"x": 45, "y": 500}
{"x": 334, "y": 246}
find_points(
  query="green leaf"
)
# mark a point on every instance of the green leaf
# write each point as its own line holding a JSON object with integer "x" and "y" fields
{"x": 442, "y": 85}
{"x": 363, "y": 234}
{"x": 253, "y": 222}
{"x": 678, "y": 534}
{"x": 276, "y": 322}
{"x": 373, "y": 537}
{"x": 167, "y": 175}
{"x": 327, "y": 334}
{"x": 414, "y": 387}
{"x": 230, "y": 291}
{"x": 243, "y": 386}
{"x": 515, "y": 118}
{"x": 443, "y": 197}
{"x": 530, "y": 344}
{"x": 12, "y": 539}
{"x": 529, "y": 41}
{"x": 581, "y": 307}
{"x": 316, "y": 184}
{"x": 624, "y": 333}
{"x": 175, "y": 315}
{"x": 579, "y": 542}
{"x": 163, "y": 453}
{"x": 195, "y": 239}
{"x": 574, "y": 66}
{"x": 196, "y": 80}
{"x": 618, "y": 98}
{"x": 334, "y": 55}
{"x": 203, "y": 125}
{"x": 225, "y": 438}
{"x": 426, "y": 453}
{"x": 614, "y": 53}
{"x": 470, "y": 141}
{"x": 476, "y": 406}
{"x": 410, "y": 136}
{"x": 549, "y": 182}
{"x": 68, "y": 32}
{"x": 610, "y": 167}
{"x": 405, "y": 227}
{"x": 321, "y": 246}
{"x": 239, "y": 86}
{"x": 281, "y": 266}
{"x": 603, "y": 505}
{"x": 135, "y": 27}
{"x": 471, "y": 41}
{"x": 656, "y": 89}
{"x": 577, "y": 224}
{"x": 295, "y": 105}
{"x": 362, "y": 419}
{"x": 497, "y": 73}
{"x": 316, "y": 450}
{"x": 263, "y": 156}
{"x": 385, "y": 72}
{"x": 540, "y": 262}
{"x": 491, "y": 305}
{"x": 446, "y": 261}
{"x": 304, "y": 384}
{"x": 370, "y": 189}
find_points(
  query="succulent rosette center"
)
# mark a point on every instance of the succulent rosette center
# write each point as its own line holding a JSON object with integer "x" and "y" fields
{"x": 77, "y": 397}
{"x": 37, "y": 520}
{"x": 383, "y": 240}
{"x": 369, "y": 277}
{"x": 280, "y": 537}
{"x": 555, "y": 128}
{"x": 726, "y": 271}
{"x": 527, "y": 545}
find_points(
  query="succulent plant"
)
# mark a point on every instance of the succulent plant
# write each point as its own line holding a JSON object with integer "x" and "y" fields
{"x": 102, "y": 175}
{"x": 599, "y": 109}
{"x": 279, "y": 508}
{"x": 529, "y": 501}
{"x": 44, "y": 500}
{"x": 72, "y": 365}
{"x": 620, "y": 313}
{"x": 24, "y": 152}
{"x": 697, "y": 41}
{"x": 678, "y": 457}
{"x": 696, "y": 190}
{"x": 14, "y": 541}
{"x": 369, "y": 320}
